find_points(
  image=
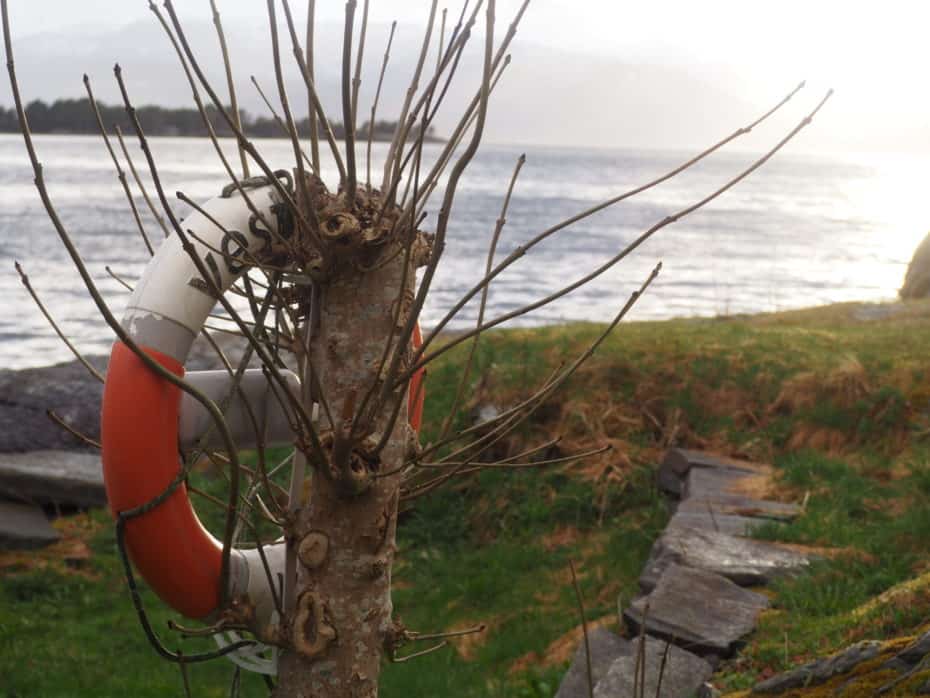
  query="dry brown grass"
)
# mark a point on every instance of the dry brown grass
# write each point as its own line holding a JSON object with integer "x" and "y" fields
{"x": 69, "y": 555}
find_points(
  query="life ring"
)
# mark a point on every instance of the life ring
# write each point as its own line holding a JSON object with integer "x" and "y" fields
{"x": 174, "y": 553}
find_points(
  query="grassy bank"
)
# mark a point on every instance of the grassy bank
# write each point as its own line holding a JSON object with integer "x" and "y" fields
{"x": 837, "y": 398}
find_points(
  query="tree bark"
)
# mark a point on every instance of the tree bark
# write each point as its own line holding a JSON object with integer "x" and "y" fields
{"x": 345, "y": 539}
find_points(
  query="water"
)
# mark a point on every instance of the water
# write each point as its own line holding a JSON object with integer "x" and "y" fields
{"x": 802, "y": 231}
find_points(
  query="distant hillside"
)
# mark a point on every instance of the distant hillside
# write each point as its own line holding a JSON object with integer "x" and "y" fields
{"x": 76, "y": 116}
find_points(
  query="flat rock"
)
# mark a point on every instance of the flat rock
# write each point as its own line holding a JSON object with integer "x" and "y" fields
{"x": 707, "y": 520}
{"x": 74, "y": 394}
{"x": 24, "y": 526}
{"x": 821, "y": 670}
{"x": 741, "y": 560}
{"x": 606, "y": 647}
{"x": 678, "y": 462}
{"x": 682, "y": 673}
{"x": 911, "y": 655}
{"x": 53, "y": 477}
{"x": 730, "y": 492}
{"x": 700, "y": 611}
{"x": 66, "y": 388}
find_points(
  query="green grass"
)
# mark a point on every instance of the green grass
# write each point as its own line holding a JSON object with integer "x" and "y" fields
{"x": 495, "y": 548}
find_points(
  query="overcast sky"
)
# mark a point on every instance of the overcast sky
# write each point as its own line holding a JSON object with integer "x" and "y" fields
{"x": 652, "y": 74}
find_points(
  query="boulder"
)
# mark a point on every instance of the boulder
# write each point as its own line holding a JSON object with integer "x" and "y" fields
{"x": 74, "y": 394}
{"x": 66, "y": 388}
{"x": 743, "y": 561}
{"x": 24, "y": 526}
{"x": 605, "y": 648}
{"x": 917, "y": 277}
{"x": 53, "y": 477}
{"x": 700, "y": 611}
{"x": 820, "y": 670}
{"x": 681, "y": 673}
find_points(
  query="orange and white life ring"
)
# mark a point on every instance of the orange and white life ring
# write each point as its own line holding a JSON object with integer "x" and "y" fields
{"x": 145, "y": 419}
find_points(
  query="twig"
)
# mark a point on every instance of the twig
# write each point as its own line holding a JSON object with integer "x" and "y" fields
{"x": 314, "y": 98}
{"x": 311, "y": 106}
{"x": 584, "y": 629}
{"x": 357, "y": 80}
{"x": 233, "y": 103}
{"x": 348, "y": 100}
{"x": 55, "y": 417}
{"x": 374, "y": 106}
{"x": 280, "y": 123}
{"x": 668, "y": 220}
{"x": 492, "y": 249}
{"x": 135, "y": 175}
{"x": 120, "y": 175}
{"x": 51, "y": 321}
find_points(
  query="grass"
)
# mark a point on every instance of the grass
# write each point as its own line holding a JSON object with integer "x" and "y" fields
{"x": 839, "y": 405}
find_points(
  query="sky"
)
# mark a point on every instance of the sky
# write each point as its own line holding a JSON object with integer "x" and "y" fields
{"x": 652, "y": 74}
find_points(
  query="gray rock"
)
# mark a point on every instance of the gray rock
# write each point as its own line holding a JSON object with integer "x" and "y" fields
{"x": 681, "y": 672}
{"x": 24, "y": 526}
{"x": 719, "y": 489}
{"x": 71, "y": 392}
{"x": 916, "y": 651}
{"x": 746, "y": 562}
{"x": 53, "y": 477}
{"x": 605, "y": 648}
{"x": 678, "y": 462}
{"x": 700, "y": 611}
{"x": 821, "y": 670}
{"x": 917, "y": 278}
{"x": 66, "y": 388}
{"x": 708, "y": 520}
{"x": 911, "y": 655}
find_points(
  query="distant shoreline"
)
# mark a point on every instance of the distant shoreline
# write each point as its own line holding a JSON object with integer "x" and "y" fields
{"x": 77, "y": 117}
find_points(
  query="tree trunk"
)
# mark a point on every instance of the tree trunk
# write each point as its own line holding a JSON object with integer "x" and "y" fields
{"x": 344, "y": 531}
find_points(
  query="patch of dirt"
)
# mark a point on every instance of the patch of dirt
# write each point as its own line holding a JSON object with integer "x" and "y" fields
{"x": 560, "y": 537}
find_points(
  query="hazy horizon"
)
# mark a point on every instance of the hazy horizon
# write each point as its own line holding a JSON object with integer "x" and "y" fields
{"x": 666, "y": 76}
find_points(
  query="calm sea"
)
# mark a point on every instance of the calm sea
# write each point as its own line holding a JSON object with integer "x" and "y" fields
{"x": 802, "y": 231}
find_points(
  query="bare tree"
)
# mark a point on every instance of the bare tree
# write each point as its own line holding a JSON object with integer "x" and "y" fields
{"x": 328, "y": 278}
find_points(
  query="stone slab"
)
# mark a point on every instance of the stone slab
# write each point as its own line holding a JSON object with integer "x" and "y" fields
{"x": 682, "y": 673}
{"x": 678, "y": 462}
{"x": 724, "y": 492}
{"x": 53, "y": 477}
{"x": 741, "y": 560}
{"x": 606, "y": 647}
{"x": 700, "y": 611}
{"x": 24, "y": 526}
{"x": 820, "y": 670}
{"x": 710, "y": 521}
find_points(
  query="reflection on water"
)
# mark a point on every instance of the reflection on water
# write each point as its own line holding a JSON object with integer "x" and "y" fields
{"x": 802, "y": 231}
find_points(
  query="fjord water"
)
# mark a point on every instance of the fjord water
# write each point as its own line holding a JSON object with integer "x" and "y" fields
{"x": 804, "y": 230}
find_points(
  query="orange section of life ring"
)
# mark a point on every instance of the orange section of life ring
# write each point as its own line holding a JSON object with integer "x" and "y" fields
{"x": 172, "y": 550}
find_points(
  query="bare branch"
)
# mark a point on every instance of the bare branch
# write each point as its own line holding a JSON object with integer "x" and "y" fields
{"x": 233, "y": 103}
{"x": 119, "y": 170}
{"x": 348, "y": 110}
{"x": 51, "y": 321}
{"x": 374, "y": 106}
